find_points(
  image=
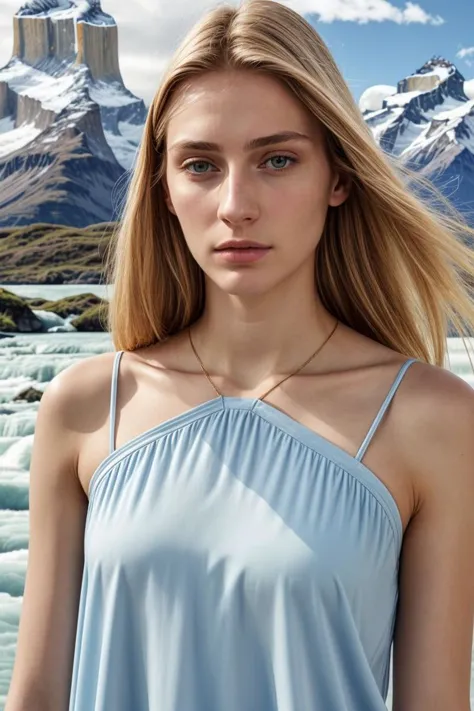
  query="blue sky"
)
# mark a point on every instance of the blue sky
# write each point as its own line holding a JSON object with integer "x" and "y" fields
{"x": 381, "y": 42}
{"x": 385, "y": 52}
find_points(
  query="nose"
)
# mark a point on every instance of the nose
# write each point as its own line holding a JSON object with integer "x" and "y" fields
{"x": 237, "y": 200}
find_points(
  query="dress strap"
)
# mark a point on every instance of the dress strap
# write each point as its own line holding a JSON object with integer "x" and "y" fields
{"x": 383, "y": 409}
{"x": 113, "y": 400}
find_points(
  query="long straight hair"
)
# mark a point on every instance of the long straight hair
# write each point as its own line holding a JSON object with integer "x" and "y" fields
{"x": 391, "y": 265}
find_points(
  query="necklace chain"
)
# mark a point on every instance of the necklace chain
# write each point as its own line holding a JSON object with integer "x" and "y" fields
{"x": 313, "y": 355}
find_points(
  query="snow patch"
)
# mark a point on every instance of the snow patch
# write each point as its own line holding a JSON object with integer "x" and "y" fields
{"x": 110, "y": 94}
{"x": 462, "y": 110}
{"x": 89, "y": 11}
{"x": 54, "y": 92}
{"x": 402, "y": 98}
{"x": 123, "y": 149}
{"x": 132, "y": 132}
{"x": 17, "y": 138}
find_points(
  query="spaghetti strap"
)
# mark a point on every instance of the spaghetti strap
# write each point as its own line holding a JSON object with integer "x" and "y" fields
{"x": 113, "y": 400}
{"x": 383, "y": 409}
{"x": 222, "y": 469}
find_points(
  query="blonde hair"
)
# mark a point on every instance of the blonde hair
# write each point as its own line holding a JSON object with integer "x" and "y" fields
{"x": 389, "y": 264}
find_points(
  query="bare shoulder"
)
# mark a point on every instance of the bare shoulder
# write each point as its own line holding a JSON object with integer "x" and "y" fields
{"x": 441, "y": 402}
{"x": 77, "y": 398}
{"x": 435, "y": 425}
{"x": 81, "y": 379}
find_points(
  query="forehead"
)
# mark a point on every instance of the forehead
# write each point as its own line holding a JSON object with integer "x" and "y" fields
{"x": 238, "y": 104}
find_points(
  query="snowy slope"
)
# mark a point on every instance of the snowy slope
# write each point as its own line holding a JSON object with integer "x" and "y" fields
{"x": 65, "y": 106}
{"x": 427, "y": 121}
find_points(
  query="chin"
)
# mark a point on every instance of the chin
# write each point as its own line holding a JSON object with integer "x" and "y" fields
{"x": 241, "y": 283}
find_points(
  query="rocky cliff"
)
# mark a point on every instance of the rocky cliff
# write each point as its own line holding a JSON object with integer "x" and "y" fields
{"x": 69, "y": 128}
{"x": 53, "y": 30}
{"x": 427, "y": 121}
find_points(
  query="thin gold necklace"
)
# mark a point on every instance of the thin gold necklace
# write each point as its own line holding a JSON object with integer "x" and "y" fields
{"x": 318, "y": 349}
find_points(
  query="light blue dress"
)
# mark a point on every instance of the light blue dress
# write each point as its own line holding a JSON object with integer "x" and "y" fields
{"x": 236, "y": 561}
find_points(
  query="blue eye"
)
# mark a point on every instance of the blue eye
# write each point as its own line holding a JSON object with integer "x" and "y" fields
{"x": 198, "y": 162}
{"x": 292, "y": 160}
{"x": 207, "y": 163}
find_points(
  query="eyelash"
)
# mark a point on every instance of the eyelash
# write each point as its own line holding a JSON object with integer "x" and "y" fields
{"x": 277, "y": 170}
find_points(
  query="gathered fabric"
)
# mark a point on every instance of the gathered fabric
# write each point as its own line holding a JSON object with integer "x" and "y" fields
{"x": 235, "y": 560}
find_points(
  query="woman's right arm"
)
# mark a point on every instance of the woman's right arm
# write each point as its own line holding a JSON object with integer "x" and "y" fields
{"x": 43, "y": 664}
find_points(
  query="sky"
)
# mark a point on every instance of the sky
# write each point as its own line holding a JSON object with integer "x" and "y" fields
{"x": 373, "y": 41}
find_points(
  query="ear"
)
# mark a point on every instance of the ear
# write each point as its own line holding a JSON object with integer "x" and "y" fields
{"x": 339, "y": 190}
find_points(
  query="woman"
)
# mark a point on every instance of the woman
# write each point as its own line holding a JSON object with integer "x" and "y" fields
{"x": 284, "y": 484}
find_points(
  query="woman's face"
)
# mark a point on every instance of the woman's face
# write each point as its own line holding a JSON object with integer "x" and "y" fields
{"x": 275, "y": 192}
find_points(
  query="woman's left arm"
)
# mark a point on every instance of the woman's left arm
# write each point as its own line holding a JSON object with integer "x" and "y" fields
{"x": 434, "y": 627}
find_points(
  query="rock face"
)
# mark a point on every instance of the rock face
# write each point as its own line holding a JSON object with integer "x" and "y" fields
{"x": 59, "y": 30}
{"x": 69, "y": 128}
{"x": 29, "y": 395}
{"x": 429, "y": 125}
{"x": 17, "y": 310}
{"x": 90, "y": 311}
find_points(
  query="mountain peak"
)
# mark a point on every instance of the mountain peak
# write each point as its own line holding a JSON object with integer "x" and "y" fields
{"x": 434, "y": 73}
{"x": 89, "y": 11}
{"x": 435, "y": 64}
{"x": 52, "y": 33}
{"x": 428, "y": 123}
{"x": 69, "y": 127}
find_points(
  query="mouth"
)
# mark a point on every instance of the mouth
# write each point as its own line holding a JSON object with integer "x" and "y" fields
{"x": 240, "y": 249}
{"x": 241, "y": 254}
{"x": 241, "y": 245}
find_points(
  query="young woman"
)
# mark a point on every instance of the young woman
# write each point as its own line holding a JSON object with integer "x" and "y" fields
{"x": 272, "y": 478}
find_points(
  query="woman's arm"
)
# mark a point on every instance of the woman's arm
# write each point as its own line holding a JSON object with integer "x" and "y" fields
{"x": 43, "y": 663}
{"x": 433, "y": 636}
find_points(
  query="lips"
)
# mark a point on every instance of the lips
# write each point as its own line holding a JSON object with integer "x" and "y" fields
{"x": 239, "y": 254}
{"x": 240, "y": 245}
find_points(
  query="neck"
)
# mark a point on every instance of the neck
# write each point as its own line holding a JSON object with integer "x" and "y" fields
{"x": 247, "y": 341}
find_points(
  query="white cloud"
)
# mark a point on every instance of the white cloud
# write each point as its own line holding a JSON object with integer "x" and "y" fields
{"x": 469, "y": 88}
{"x": 373, "y": 97}
{"x": 465, "y": 53}
{"x": 363, "y": 11}
{"x": 151, "y": 30}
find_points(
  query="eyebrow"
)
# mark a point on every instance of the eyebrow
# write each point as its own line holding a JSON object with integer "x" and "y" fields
{"x": 261, "y": 142}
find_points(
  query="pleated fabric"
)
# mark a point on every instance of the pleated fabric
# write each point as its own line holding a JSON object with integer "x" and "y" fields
{"x": 235, "y": 560}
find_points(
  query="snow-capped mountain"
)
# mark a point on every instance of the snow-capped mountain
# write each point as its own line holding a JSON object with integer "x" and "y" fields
{"x": 69, "y": 128}
{"x": 428, "y": 122}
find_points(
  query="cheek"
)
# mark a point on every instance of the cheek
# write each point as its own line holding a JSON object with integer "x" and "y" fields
{"x": 303, "y": 208}
{"x": 191, "y": 202}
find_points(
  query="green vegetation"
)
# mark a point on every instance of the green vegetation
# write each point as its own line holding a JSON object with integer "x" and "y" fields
{"x": 7, "y": 323}
{"x": 54, "y": 254}
{"x": 16, "y": 313}
{"x": 94, "y": 319}
{"x": 68, "y": 305}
